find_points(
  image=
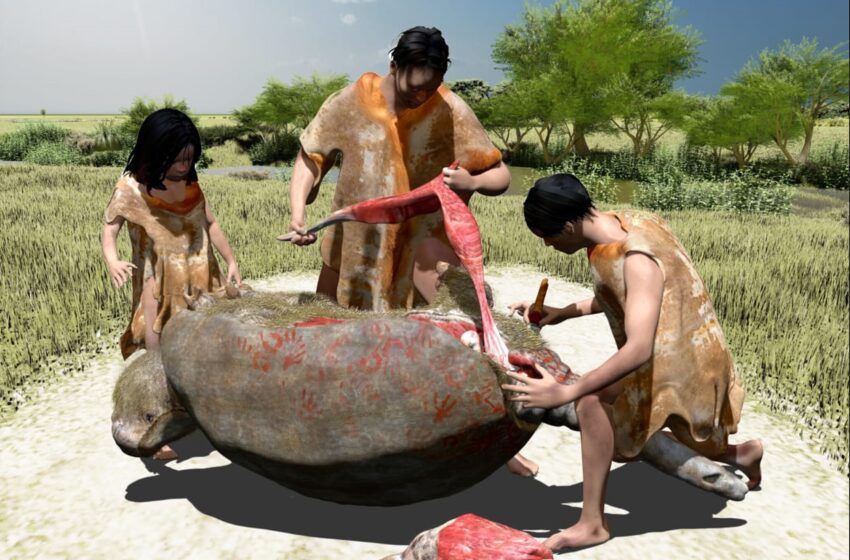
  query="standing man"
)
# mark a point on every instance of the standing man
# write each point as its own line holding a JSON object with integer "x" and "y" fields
{"x": 395, "y": 133}
{"x": 672, "y": 368}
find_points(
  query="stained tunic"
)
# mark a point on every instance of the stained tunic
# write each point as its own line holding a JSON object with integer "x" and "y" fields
{"x": 690, "y": 383}
{"x": 171, "y": 244}
{"x": 386, "y": 154}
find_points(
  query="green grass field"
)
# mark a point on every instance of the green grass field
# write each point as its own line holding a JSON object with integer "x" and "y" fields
{"x": 87, "y": 123}
{"x": 230, "y": 156}
{"x": 779, "y": 283}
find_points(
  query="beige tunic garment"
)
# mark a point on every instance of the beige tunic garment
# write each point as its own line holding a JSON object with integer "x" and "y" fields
{"x": 690, "y": 383}
{"x": 386, "y": 154}
{"x": 171, "y": 244}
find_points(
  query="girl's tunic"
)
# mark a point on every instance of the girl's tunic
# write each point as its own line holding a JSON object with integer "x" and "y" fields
{"x": 690, "y": 383}
{"x": 171, "y": 244}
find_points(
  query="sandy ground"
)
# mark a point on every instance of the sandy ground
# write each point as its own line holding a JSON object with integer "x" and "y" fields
{"x": 68, "y": 492}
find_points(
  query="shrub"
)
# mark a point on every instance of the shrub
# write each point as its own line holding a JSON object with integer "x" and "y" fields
{"x": 81, "y": 141}
{"x": 740, "y": 192}
{"x": 217, "y": 135}
{"x": 15, "y": 145}
{"x": 774, "y": 168}
{"x": 601, "y": 187}
{"x": 109, "y": 158}
{"x": 142, "y": 107}
{"x": 275, "y": 148}
{"x": 250, "y": 175}
{"x": 54, "y": 153}
{"x": 109, "y": 137}
{"x": 525, "y": 154}
{"x": 827, "y": 169}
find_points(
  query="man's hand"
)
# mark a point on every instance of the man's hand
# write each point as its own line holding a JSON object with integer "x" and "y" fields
{"x": 119, "y": 271}
{"x": 549, "y": 316}
{"x": 459, "y": 180}
{"x": 299, "y": 233}
{"x": 545, "y": 392}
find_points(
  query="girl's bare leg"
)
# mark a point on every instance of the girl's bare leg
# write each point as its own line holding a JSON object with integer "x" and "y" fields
{"x": 149, "y": 308}
{"x": 597, "y": 452}
{"x": 747, "y": 457}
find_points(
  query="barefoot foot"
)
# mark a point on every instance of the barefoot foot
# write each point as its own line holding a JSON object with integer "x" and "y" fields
{"x": 521, "y": 466}
{"x": 748, "y": 457}
{"x": 580, "y": 534}
{"x": 165, "y": 453}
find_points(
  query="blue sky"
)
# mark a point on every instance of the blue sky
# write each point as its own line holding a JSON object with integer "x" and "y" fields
{"x": 95, "y": 56}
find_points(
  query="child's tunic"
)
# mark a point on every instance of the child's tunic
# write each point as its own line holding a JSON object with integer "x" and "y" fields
{"x": 171, "y": 244}
{"x": 386, "y": 154}
{"x": 690, "y": 383}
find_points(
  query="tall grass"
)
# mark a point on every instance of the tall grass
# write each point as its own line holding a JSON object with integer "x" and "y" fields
{"x": 779, "y": 283}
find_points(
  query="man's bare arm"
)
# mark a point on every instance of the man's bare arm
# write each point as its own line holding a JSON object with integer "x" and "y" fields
{"x": 304, "y": 175}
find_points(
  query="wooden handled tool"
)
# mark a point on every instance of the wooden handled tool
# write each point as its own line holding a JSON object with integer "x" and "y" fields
{"x": 535, "y": 314}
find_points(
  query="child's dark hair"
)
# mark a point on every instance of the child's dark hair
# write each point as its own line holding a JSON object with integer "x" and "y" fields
{"x": 422, "y": 46}
{"x": 555, "y": 201}
{"x": 163, "y": 135}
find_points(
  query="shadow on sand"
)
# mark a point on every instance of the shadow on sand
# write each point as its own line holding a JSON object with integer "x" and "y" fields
{"x": 655, "y": 503}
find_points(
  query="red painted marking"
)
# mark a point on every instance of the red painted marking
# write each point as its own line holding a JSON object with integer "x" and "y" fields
{"x": 293, "y": 350}
{"x": 278, "y": 341}
{"x": 317, "y": 322}
{"x": 261, "y": 362}
{"x": 455, "y": 376}
{"x": 444, "y": 408}
{"x": 371, "y": 362}
{"x": 307, "y": 409}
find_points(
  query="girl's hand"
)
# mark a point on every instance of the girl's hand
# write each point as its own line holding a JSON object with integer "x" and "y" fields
{"x": 539, "y": 393}
{"x": 549, "y": 316}
{"x": 233, "y": 275}
{"x": 119, "y": 271}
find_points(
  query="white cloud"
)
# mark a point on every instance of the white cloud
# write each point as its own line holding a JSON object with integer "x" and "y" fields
{"x": 295, "y": 20}
{"x": 348, "y": 19}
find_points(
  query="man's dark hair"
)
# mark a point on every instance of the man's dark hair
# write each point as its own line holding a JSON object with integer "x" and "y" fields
{"x": 422, "y": 46}
{"x": 163, "y": 135}
{"x": 555, "y": 201}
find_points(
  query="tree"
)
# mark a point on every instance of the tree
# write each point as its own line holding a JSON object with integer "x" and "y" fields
{"x": 142, "y": 107}
{"x": 578, "y": 60}
{"x": 729, "y": 123}
{"x": 798, "y": 84}
{"x": 282, "y": 107}
{"x": 655, "y": 54}
{"x": 508, "y": 115}
{"x": 646, "y": 118}
{"x": 474, "y": 92}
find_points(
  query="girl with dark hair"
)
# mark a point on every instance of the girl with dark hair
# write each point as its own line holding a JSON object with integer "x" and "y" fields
{"x": 172, "y": 231}
{"x": 172, "y": 228}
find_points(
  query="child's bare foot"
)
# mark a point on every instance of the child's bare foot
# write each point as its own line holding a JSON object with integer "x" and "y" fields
{"x": 165, "y": 453}
{"x": 521, "y": 466}
{"x": 580, "y": 534}
{"x": 748, "y": 457}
